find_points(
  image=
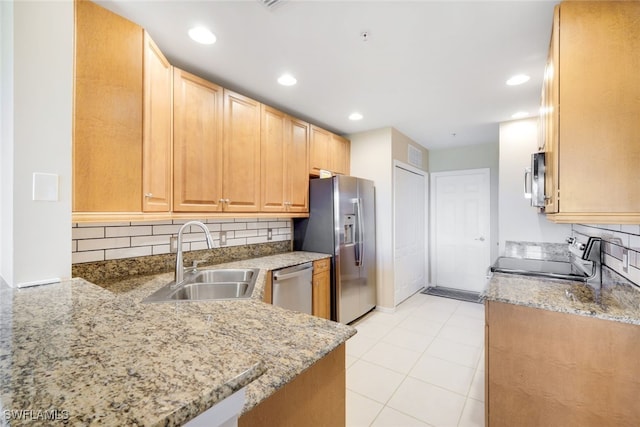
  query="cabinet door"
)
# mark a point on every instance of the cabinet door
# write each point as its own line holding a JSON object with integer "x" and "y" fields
{"x": 549, "y": 116}
{"x": 321, "y": 299}
{"x": 339, "y": 154}
{"x": 320, "y": 143}
{"x": 273, "y": 152}
{"x": 107, "y": 134}
{"x": 599, "y": 131}
{"x": 197, "y": 151}
{"x": 241, "y": 163}
{"x": 297, "y": 166}
{"x": 157, "y": 138}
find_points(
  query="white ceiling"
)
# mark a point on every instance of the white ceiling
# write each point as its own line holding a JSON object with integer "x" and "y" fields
{"x": 430, "y": 69}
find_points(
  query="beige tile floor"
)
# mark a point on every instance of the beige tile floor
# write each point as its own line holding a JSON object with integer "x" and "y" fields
{"x": 422, "y": 365}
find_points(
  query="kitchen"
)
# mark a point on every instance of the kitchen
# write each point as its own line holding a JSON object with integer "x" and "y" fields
{"x": 29, "y": 225}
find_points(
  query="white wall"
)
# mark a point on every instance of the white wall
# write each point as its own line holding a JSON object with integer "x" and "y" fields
{"x": 6, "y": 135}
{"x": 37, "y": 52}
{"x": 518, "y": 220}
{"x": 371, "y": 159}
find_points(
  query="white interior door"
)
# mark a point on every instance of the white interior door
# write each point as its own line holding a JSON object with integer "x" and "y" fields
{"x": 409, "y": 232}
{"x": 460, "y": 228}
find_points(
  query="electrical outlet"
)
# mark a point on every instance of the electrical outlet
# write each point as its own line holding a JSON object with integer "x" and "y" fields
{"x": 173, "y": 244}
{"x": 223, "y": 238}
{"x": 269, "y": 233}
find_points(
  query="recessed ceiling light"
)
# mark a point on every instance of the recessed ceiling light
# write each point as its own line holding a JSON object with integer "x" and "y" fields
{"x": 355, "y": 116}
{"x": 202, "y": 35}
{"x": 287, "y": 80}
{"x": 520, "y": 115}
{"x": 518, "y": 80}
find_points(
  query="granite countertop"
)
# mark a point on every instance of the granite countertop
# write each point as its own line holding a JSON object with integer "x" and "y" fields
{"x": 618, "y": 302}
{"x": 99, "y": 356}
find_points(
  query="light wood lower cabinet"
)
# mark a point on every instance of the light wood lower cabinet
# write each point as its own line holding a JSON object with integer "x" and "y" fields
{"x": 285, "y": 157}
{"x": 197, "y": 145}
{"x": 546, "y": 368}
{"x": 321, "y": 302}
{"x": 107, "y": 125}
{"x": 316, "y": 397}
{"x": 157, "y": 138}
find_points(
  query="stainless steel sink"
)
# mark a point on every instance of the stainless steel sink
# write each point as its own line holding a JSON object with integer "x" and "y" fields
{"x": 207, "y": 285}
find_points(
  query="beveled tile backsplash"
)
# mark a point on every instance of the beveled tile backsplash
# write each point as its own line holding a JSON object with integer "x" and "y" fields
{"x": 621, "y": 249}
{"x": 93, "y": 242}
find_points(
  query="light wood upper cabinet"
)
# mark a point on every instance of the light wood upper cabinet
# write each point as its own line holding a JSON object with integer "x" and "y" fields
{"x": 549, "y": 119}
{"x": 157, "y": 130}
{"x": 328, "y": 151}
{"x": 197, "y": 154}
{"x": 319, "y": 156}
{"x": 107, "y": 126}
{"x": 598, "y": 149}
{"x": 297, "y": 166}
{"x": 241, "y": 153}
{"x": 340, "y": 154}
{"x": 284, "y": 151}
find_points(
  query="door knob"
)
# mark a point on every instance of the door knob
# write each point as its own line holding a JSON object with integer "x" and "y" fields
{"x": 481, "y": 238}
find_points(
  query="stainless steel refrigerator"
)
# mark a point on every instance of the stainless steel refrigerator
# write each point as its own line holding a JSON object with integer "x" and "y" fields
{"x": 342, "y": 223}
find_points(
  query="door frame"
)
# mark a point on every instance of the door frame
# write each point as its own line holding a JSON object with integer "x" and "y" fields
{"x": 433, "y": 265}
{"x": 425, "y": 175}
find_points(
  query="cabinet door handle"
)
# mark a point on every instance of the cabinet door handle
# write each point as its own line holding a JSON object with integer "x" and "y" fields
{"x": 149, "y": 195}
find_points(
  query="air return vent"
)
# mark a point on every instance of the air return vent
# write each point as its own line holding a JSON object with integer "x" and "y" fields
{"x": 270, "y": 4}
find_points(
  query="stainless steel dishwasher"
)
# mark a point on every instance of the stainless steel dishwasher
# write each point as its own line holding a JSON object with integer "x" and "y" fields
{"x": 292, "y": 287}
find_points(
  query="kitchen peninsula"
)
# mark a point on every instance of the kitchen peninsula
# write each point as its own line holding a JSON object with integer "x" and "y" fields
{"x": 560, "y": 353}
{"x": 100, "y": 356}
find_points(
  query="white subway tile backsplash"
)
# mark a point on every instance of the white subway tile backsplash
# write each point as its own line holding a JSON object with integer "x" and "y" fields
{"x": 257, "y": 225}
{"x": 150, "y": 240}
{"x": 127, "y": 252}
{"x": 197, "y": 246}
{"x": 253, "y": 240}
{"x": 236, "y": 242}
{"x": 246, "y": 233}
{"x": 160, "y": 249}
{"x": 631, "y": 229}
{"x": 617, "y": 238}
{"x": 104, "y": 241}
{"x": 234, "y": 226}
{"x": 137, "y": 230}
{"x": 213, "y": 227}
{"x": 87, "y": 233}
{"x": 166, "y": 229}
{"x": 89, "y": 256}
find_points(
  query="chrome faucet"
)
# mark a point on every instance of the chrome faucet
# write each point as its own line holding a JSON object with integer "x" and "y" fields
{"x": 179, "y": 276}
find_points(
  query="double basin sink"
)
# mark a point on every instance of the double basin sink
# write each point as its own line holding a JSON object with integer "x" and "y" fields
{"x": 207, "y": 285}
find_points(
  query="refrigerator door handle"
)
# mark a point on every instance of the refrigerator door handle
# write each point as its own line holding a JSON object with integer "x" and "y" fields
{"x": 359, "y": 246}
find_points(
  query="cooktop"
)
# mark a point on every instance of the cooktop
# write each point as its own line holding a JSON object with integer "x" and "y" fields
{"x": 537, "y": 267}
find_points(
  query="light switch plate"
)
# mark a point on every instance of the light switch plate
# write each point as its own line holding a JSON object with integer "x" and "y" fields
{"x": 45, "y": 187}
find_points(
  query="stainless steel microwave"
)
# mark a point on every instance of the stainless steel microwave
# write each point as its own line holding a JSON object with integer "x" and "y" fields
{"x": 534, "y": 180}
